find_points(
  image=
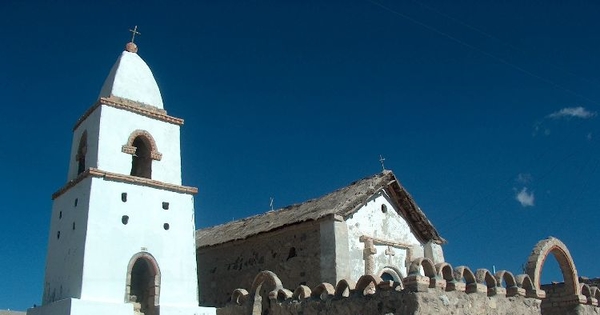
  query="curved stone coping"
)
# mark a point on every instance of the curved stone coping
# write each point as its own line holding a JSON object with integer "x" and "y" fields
{"x": 424, "y": 275}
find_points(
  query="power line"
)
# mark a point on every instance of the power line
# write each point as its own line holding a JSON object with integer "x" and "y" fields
{"x": 483, "y": 52}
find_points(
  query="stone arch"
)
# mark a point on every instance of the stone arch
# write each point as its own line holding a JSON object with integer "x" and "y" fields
{"x": 524, "y": 282}
{"x": 239, "y": 296}
{"x": 587, "y": 292}
{"x": 366, "y": 284}
{"x": 486, "y": 278}
{"x": 470, "y": 281}
{"x": 265, "y": 285}
{"x": 81, "y": 153}
{"x": 143, "y": 283}
{"x": 280, "y": 294}
{"x": 511, "y": 287}
{"x": 596, "y": 293}
{"x": 302, "y": 292}
{"x": 538, "y": 256}
{"x": 323, "y": 291}
{"x": 506, "y": 277}
{"x": 424, "y": 264}
{"x": 463, "y": 272}
{"x": 344, "y": 288}
{"x": 143, "y": 150}
{"x": 444, "y": 270}
{"x": 390, "y": 273}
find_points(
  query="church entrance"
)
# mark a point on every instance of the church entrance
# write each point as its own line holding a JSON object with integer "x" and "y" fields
{"x": 143, "y": 284}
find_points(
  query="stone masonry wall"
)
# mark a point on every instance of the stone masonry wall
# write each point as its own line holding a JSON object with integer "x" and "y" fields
{"x": 437, "y": 302}
{"x": 293, "y": 253}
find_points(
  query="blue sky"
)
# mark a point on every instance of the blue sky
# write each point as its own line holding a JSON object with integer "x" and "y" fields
{"x": 485, "y": 110}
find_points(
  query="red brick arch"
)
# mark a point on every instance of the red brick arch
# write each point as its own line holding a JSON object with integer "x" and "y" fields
{"x": 130, "y": 149}
{"x": 538, "y": 256}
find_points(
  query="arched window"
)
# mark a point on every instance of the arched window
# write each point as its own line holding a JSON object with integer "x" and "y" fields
{"x": 81, "y": 152}
{"x": 141, "y": 161}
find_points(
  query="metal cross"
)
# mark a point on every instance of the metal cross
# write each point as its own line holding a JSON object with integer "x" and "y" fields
{"x": 134, "y": 32}
{"x": 382, "y": 159}
{"x": 271, "y": 203}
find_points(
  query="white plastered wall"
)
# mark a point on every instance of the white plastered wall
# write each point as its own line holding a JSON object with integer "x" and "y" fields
{"x": 109, "y": 128}
{"x": 91, "y": 126}
{"x": 64, "y": 261}
{"x": 110, "y": 244}
{"x": 116, "y": 125}
{"x": 388, "y": 226}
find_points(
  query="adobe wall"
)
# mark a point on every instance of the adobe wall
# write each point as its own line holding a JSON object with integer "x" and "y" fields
{"x": 293, "y": 253}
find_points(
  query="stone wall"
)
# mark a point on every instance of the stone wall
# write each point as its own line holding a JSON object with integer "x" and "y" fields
{"x": 430, "y": 289}
{"x": 371, "y": 295}
{"x": 404, "y": 303}
{"x": 293, "y": 253}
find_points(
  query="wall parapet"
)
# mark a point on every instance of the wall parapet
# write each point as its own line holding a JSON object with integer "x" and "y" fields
{"x": 429, "y": 289}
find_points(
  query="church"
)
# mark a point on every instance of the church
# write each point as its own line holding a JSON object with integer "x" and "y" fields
{"x": 372, "y": 226}
{"x": 122, "y": 238}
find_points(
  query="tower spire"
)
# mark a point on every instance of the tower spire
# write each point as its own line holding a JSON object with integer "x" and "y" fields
{"x": 131, "y": 46}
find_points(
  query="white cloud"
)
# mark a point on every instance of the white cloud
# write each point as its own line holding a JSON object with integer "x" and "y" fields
{"x": 573, "y": 112}
{"x": 525, "y": 198}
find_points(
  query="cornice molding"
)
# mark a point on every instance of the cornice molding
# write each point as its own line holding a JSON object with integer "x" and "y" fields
{"x": 131, "y": 106}
{"x": 115, "y": 177}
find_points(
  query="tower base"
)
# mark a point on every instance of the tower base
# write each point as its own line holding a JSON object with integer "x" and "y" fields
{"x": 73, "y": 306}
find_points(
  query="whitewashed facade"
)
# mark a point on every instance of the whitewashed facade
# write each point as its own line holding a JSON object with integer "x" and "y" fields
{"x": 122, "y": 229}
{"x": 381, "y": 242}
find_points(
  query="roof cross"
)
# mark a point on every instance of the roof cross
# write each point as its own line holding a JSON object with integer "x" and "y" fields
{"x": 381, "y": 160}
{"x": 133, "y": 33}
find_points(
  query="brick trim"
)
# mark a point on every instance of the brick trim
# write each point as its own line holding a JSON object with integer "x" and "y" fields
{"x": 128, "y": 148}
{"x": 115, "y": 177}
{"x": 131, "y": 106}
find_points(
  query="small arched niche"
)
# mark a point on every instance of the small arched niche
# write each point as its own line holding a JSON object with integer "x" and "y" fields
{"x": 81, "y": 153}
{"x": 142, "y": 148}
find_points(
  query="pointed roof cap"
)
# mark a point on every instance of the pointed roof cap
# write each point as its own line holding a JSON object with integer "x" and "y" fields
{"x": 130, "y": 78}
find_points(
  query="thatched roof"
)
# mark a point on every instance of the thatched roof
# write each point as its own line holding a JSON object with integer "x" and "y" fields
{"x": 342, "y": 202}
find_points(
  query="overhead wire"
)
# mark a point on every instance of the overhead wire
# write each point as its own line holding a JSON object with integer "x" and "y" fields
{"x": 535, "y": 160}
{"x": 495, "y": 38}
{"x": 483, "y": 52}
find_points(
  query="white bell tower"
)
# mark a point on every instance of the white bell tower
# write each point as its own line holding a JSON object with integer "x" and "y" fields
{"x": 122, "y": 228}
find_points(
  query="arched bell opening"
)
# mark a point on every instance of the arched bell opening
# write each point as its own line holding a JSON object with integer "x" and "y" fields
{"x": 81, "y": 153}
{"x": 141, "y": 160}
{"x": 143, "y": 150}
